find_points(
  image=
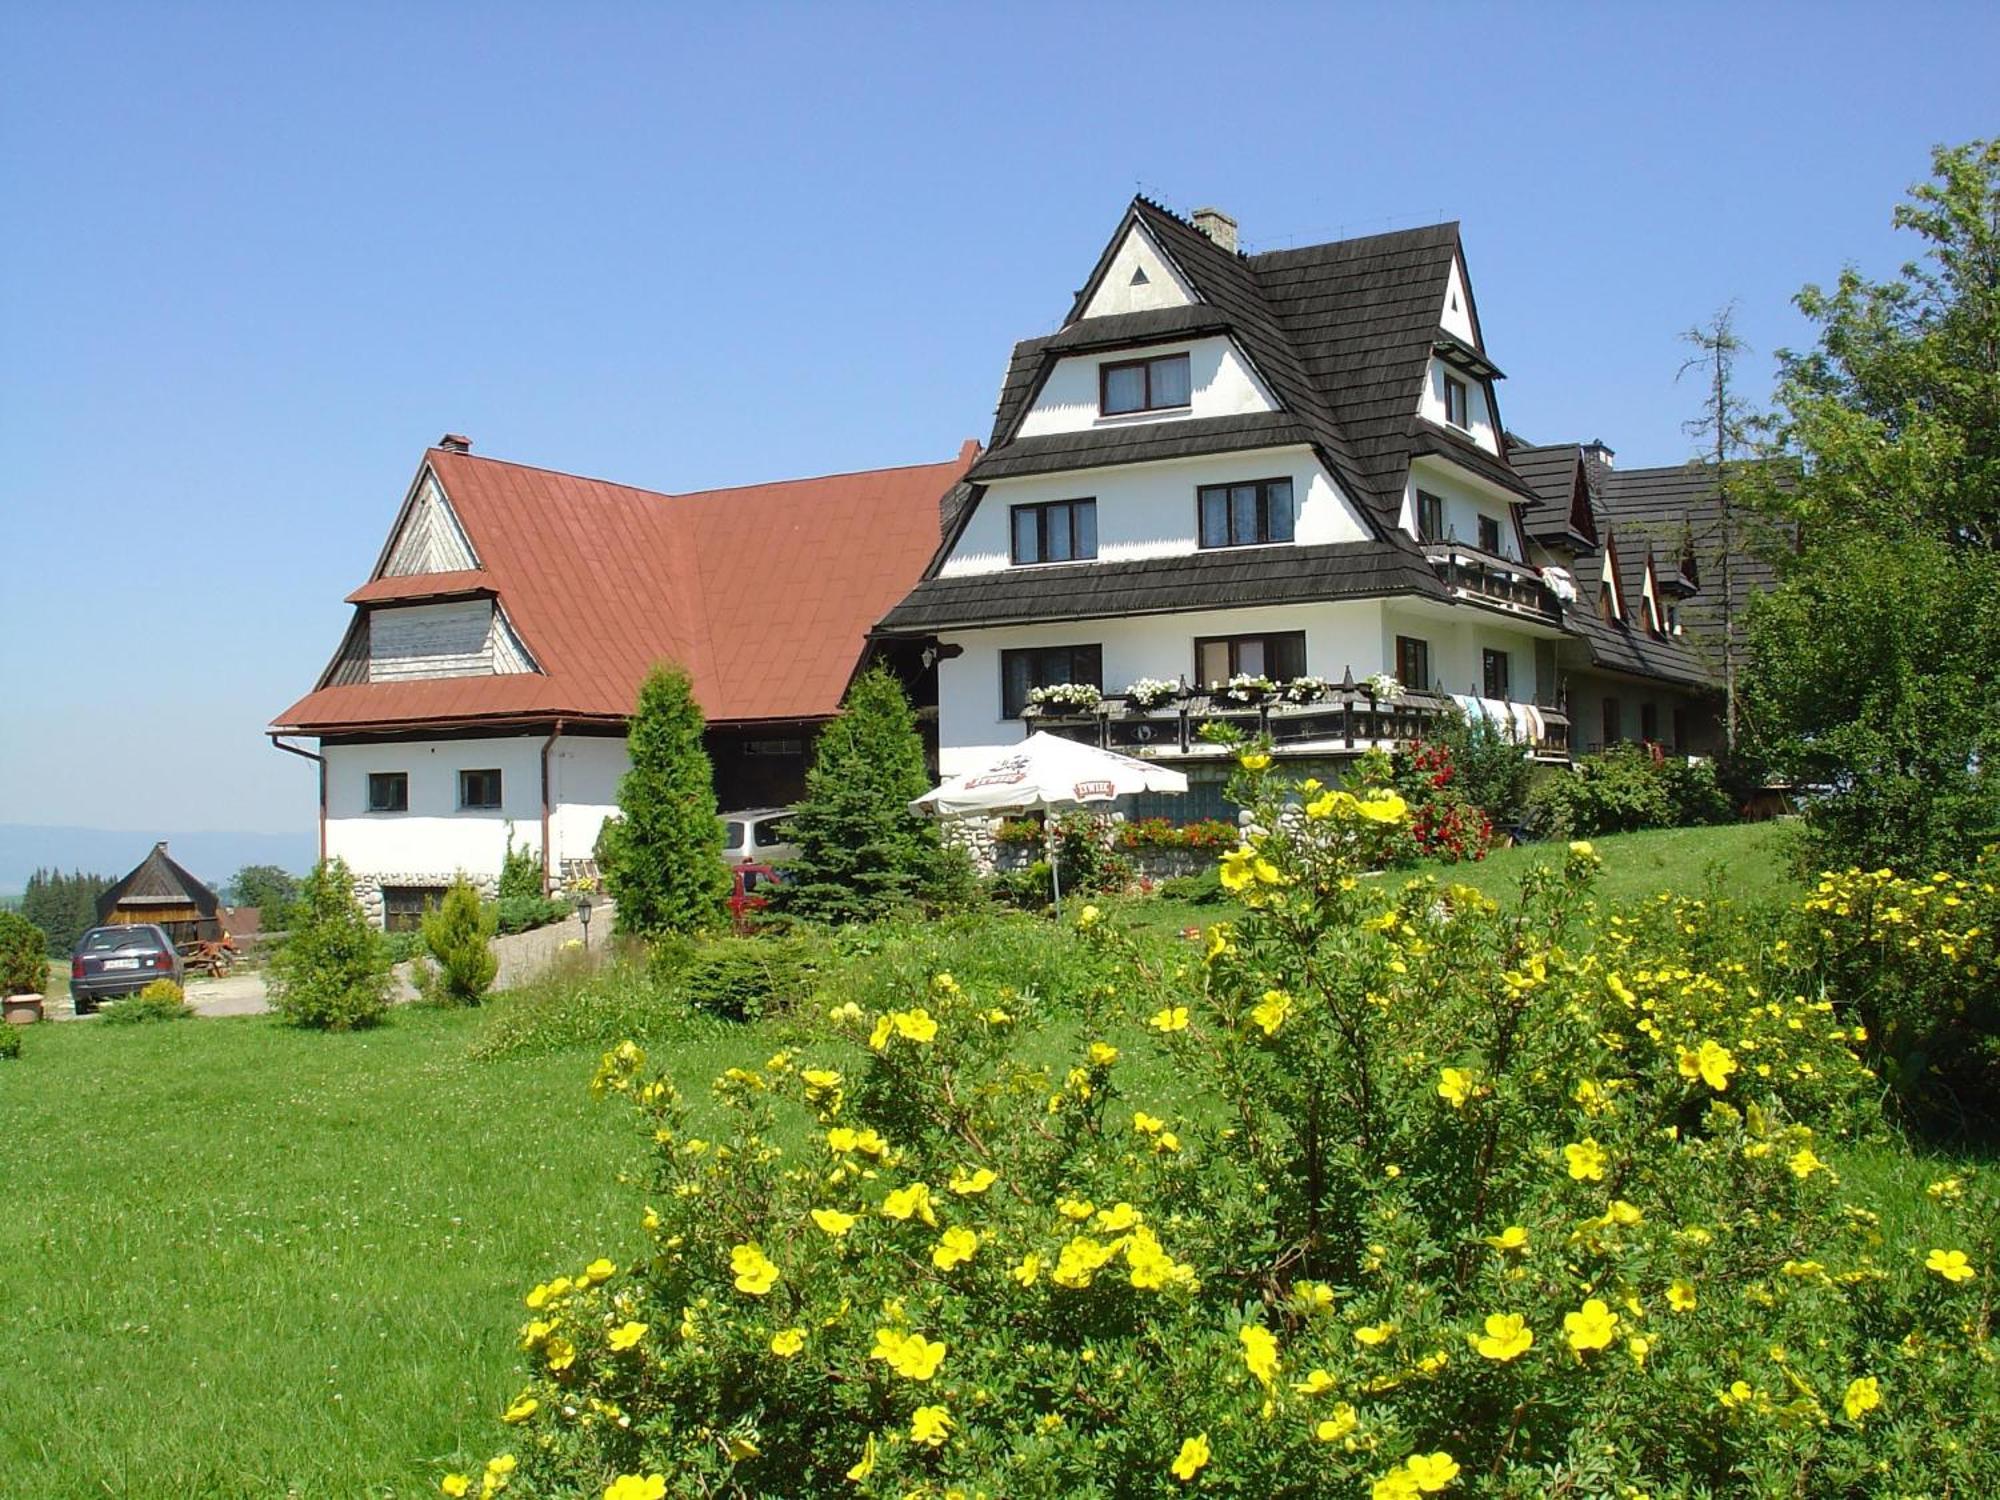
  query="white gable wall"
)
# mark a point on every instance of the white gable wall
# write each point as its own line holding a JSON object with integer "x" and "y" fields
{"x": 431, "y": 540}
{"x": 1478, "y": 413}
{"x": 1224, "y": 385}
{"x": 1463, "y": 506}
{"x": 1163, "y": 286}
{"x": 1455, "y": 317}
{"x": 1148, "y": 510}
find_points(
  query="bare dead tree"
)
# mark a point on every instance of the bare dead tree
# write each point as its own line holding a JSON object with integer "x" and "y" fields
{"x": 1726, "y": 425}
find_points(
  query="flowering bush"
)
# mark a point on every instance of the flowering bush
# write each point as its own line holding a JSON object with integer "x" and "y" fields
{"x": 1444, "y": 824}
{"x": 1244, "y": 687}
{"x": 1151, "y": 692}
{"x": 1388, "y": 1193}
{"x": 1383, "y": 687}
{"x": 1163, "y": 833}
{"x": 1917, "y": 962}
{"x": 1020, "y": 831}
{"x": 1303, "y": 690}
{"x": 1077, "y": 697}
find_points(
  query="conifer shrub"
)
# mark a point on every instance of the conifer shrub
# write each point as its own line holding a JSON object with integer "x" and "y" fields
{"x": 458, "y": 942}
{"x": 162, "y": 1000}
{"x": 1389, "y": 1192}
{"x": 10, "y": 1042}
{"x": 664, "y": 854}
{"x": 332, "y": 970}
{"x": 24, "y": 965}
{"x": 862, "y": 852}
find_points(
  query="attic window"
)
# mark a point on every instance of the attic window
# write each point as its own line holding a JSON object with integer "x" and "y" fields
{"x": 1159, "y": 384}
{"x": 1455, "y": 403}
{"x": 1139, "y": 277}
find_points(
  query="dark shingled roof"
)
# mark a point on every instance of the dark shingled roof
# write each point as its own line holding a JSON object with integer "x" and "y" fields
{"x": 1428, "y": 437}
{"x": 1145, "y": 442}
{"x": 158, "y": 880}
{"x": 1224, "y": 578}
{"x": 1550, "y": 470}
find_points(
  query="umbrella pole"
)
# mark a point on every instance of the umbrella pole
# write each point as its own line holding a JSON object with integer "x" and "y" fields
{"x": 1055, "y": 865}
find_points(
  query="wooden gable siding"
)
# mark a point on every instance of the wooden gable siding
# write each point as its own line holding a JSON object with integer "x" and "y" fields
{"x": 431, "y": 540}
{"x": 469, "y": 638}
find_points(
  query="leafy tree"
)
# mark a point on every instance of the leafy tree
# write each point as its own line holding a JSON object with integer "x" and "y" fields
{"x": 1871, "y": 671}
{"x": 862, "y": 852}
{"x": 665, "y": 869}
{"x": 332, "y": 972}
{"x": 23, "y": 956}
{"x": 458, "y": 935}
{"x": 268, "y": 888}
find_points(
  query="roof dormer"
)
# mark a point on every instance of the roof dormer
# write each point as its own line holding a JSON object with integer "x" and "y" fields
{"x": 1138, "y": 276}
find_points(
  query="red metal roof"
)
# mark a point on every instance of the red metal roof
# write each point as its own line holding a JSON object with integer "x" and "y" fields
{"x": 764, "y": 593}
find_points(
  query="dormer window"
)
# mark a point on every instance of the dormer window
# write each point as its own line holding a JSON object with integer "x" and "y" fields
{"x": 1245, "y": 515}
{"x": 1489, "y": 536}
{"x": 1064, "y": 531}
{"x": 1159, "y": 384}
{"x": 1456, "y": 405}
{"x": 1430, "y": 517}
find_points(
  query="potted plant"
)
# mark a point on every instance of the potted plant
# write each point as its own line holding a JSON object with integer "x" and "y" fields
{"x": 1383, "y": 688}
{"x": 1065, "y": 698}
{"x": 1149, "y": 693}
{"x": 23, "y": 968}
{"x": 1304, "y": 690}
{"x": 1246, "y": 689}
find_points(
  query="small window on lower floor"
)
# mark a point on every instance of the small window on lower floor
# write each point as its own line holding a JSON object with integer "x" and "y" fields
{"x": 388, "y": 791}
{"x": 403, "y": 906}
{"x": 1681, "y": 730}
{"x": 478, "y": 789}
{"x": 1649, "y": 722}
{"x": 1413, "y": 663}
{"x": 1614, "y": 721}
{"x": 1497, "y": 674}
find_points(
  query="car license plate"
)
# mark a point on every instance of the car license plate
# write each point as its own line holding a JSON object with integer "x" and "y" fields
{"x": 121, "y": 963}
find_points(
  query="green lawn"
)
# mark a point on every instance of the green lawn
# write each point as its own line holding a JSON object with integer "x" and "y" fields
{"x": 246, "y": 1260}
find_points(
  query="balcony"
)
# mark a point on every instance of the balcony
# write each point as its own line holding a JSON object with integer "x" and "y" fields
{"x": 1479, "y": 577}
{"x": 1346, "y": 721}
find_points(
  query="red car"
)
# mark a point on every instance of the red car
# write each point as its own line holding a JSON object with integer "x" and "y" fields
{"x": 751, "y": 892}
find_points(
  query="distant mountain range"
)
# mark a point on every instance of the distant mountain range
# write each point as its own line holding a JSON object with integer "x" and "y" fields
{"x": 215, "y": 857}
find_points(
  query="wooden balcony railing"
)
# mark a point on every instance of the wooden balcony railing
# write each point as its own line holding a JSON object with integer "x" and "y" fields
{"x": 1483, "y": 578}
{"x": 1343, "y": 722}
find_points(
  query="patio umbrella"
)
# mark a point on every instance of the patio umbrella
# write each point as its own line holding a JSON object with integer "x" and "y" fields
{"x": 1046, "y": 771}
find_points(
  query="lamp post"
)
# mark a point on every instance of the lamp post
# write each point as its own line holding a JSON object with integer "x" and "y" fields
{"x": 583, "y": 914}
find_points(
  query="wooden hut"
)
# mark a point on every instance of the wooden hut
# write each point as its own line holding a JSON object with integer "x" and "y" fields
{"x": 162, "y": 892}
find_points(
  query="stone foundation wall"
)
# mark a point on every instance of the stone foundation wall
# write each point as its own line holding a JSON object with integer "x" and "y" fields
{"x": 991, "y": 857}
{"x": 368, "y": 888}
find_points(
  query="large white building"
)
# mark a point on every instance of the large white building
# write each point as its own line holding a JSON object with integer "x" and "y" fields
{"x": 1287, "y": 466}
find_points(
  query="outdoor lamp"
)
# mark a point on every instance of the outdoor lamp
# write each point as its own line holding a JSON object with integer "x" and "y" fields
{"x": 583, "y": 914}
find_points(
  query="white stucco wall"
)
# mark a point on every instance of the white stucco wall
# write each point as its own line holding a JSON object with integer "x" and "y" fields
{"x": 969, "y": 719}
{"x": 1478, "y": 413}
{"x": 584, "y": 772}
{"x": 1149, "y": 510}
{"x": 1221, "y": 380}
{"x": 1455, "y": 317}
{"x": 1464, "y": 504}
{"x": 1163, "y": 287}
{"x": 1457, "y": 641}
{"x": 433, "y": 835}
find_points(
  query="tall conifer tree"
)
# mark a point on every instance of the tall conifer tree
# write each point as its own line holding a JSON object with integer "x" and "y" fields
{"x": 665, "y": 852}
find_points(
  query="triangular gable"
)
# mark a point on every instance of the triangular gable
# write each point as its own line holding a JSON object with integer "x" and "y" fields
{"x": 1133, "y": 275}
{"x": 1610, "y": 589}
{"x": 1582, "y": 519}
{"x": 1456, "y": 315}
{"x": 1649, "y": 596}
{"x": 427, "y": 537}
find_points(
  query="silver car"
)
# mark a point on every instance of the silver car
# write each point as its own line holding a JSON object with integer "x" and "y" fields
{"x": 756, "y": 836}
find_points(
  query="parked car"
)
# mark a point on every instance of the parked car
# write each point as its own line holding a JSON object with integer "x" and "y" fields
{"x": 751, "y": 892}
{"x": 111, "y": 962}
{"x": 757, "y": 834}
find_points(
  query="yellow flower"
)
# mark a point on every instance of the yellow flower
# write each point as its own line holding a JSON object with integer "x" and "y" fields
{"x": 1343, "y": 1421}
{"x": 1397, "y": 1484}
{"x": 1375, "y": 1333}
{"x": 1507, "y": 1337}
{"x": 1950, "y": 1264}
{"x": 520, "y": 1409}
{"x": 1147, "y": 1124}
{"x": 1586, "y": 1160}
{"x": 625, "y": 1336}
{"x": 832, "y": 1221}
{"x": 885, "y": 1027}
{"x": 1029, "y": 1268}
{"x": 1455, "y": 1085}
{"x": 632, "y": 1487}
{"x": 788, "y": 1341}
{"x": 560, "y": 1354}
{"x": 1245, "y": 867}
{"x": 1512, "y": 1238}
{"x": 930, "y": 1425}
{"x": 915, "y": 1025}
{"x": 1121, "y": 1215}
{"x": 954, "y": 1247}
{"x": 1581, "y": 849}
{"x": 1103, "y": 1054}
{"x": 754, "y": 1272}
{"x": 1332, "y": 804}
{"x": 1711, "y": 1063}
{"x": 1315, "y": 1383}
{"x": 1803, "y": 1163}
{"x": 1639, "y": 1347}
{"x": 1591, "y": 1327}
{"x": 1273, "y": 1010}
{"x": 1088, "y": 918}
{"x": 910, "y": 1355}
{"x": 1192, "y": 1458}
{"x": 1681, "y": 1296}
{"x": 1080, "y": 1261}
{"x": 1254, "y": 760}
{"x": 1863, "y": 1396}
{"x": 1075, "y": 1209}
{"x": 598, "y": 1270}
{"x": 1618, "y": 989}
{"x": 1432, "y": 1471}
{"x": 455, "y": 1485}
{"x": 1218, "y": 942}
{"x": 967, "y": 1183}
{"x": 866, "y": 1466}
{"x": 1384, "y": 807}
{"x": 914, "y": 1199}
{"x": 741, "y": 1448}
{"x": 1260, "y": 1353}
{"x": 1173, "y": 1018}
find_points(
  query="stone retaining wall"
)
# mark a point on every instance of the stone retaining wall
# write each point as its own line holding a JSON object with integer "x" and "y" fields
{"x": 992, "y": 857}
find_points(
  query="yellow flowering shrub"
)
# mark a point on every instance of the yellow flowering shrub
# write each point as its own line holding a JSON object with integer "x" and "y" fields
{"x": 1388, "y": 1192}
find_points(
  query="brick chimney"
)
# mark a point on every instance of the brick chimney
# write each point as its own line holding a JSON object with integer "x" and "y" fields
{"x": 1597, "y": 453}
{"x": 455, "y": 442}
{"x": 1218, "y": 226}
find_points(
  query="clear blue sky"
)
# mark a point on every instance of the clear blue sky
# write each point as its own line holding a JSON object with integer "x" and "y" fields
{"x": 256, "y": 257}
